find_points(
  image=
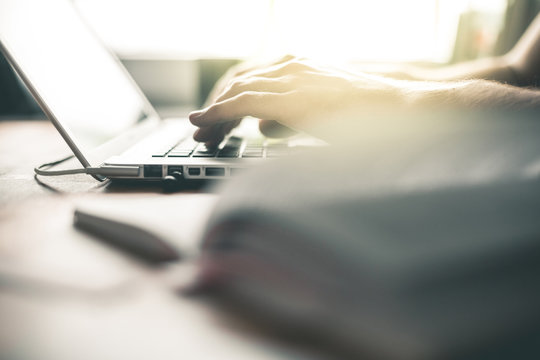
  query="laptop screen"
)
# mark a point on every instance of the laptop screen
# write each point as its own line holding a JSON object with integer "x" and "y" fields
{"x": 83, "y": 86}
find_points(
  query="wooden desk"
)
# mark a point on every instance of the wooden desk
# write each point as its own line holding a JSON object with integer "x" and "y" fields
{"x": 65, "y": 295}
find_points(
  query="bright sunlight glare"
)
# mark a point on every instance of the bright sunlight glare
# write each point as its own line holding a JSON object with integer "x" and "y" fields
{"x": 376, "y": 30}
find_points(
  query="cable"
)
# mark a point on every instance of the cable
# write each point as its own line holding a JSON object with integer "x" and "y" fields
{"x": 173, "y": 181}
{"x": 43, "y": 169}
{"x": 60, "y": 172}
{"x": 97, "y": 172}
{"x": 60, "y": 191}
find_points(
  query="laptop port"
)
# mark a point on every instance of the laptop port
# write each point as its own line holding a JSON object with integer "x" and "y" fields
{"x": 215, "y": 171}
{"x": 236, "y": 171}
{"x": 194, "y": 171}
{"x": 175, "y": 168}
{"x": 153, "y": 171}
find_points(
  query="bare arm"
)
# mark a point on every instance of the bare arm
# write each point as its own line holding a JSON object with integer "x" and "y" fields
{"x": 303, "y": 96}
{"x": 299, "y": 95}
{"x": 493, "y": 68}
{"x": 473, "y": 94}
{"x": 520, "y": 67}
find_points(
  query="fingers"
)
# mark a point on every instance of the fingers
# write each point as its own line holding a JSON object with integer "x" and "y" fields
{"x": 213, "y": 135}
{"x": 253, "y": 84}
{"x": 208, "y": 132}
{"x": 262, "y": 105}
{"x": 263, "y": 93}
{"x": 277, "y": 70}
{"x": 281, "y": 60}
{"x": 238, "y": 71}
{"x": 272, "y": 79}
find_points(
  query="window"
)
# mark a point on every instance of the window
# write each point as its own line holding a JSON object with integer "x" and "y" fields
{"x": 376, "y": 30}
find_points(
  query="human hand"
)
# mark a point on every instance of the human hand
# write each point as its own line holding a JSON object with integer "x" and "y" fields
{"x": 295, "y": 93}
{"x": 238, "y": 70}
{"x": 218, "y": 131}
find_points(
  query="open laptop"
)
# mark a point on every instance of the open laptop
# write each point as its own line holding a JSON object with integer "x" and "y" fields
{"x": 99, "y": 110}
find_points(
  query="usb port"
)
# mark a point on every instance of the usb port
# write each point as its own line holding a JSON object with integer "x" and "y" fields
{"x": 174, "y": 168}
{"x": 215, "y": 171}
{"x": 153, "y": 171}
{"x": 194, "y": 171}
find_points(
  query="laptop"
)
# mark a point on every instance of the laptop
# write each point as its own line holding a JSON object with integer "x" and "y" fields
{"x": 102, "y": 114}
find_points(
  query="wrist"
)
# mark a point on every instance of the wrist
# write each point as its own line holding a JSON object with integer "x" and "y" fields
{"x": 378, "y": 92}
{"x": 422, "y": 95}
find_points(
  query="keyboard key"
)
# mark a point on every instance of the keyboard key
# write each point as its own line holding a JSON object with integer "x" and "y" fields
{"x": 230, "y": 151}
{"x": 176, "y": 151}
{"x": 231, "y": 148}
{"x": 203, "y": 151}
{"x": 228, "y": 154}
{"x": 204, "y": 154}
{"x": 234, "y": 141}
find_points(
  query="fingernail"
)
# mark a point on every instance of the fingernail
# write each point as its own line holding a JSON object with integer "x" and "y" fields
{"x": 195, "y": 114}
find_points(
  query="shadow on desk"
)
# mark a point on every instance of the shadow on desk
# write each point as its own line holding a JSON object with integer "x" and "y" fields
{"x": 122, "y": 186}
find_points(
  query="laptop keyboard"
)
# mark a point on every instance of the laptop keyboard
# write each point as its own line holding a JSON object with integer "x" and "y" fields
{"x": 232, "y": 147}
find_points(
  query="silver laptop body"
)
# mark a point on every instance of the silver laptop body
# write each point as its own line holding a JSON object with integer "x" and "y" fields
{"x": 99, "y": 110}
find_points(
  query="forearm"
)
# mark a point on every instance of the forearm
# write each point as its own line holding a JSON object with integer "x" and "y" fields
{"x": 520, "y": 66}
{"x": 497, "y": 69}
{"x": 470, "y": 94}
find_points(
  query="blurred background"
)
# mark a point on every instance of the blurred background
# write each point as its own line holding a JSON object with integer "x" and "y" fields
{"x": 176, "y": 49}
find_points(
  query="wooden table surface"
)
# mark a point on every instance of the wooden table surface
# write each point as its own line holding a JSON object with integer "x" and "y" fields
{"x": 66, "y": 295}
{"x": 27, "y": 144}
